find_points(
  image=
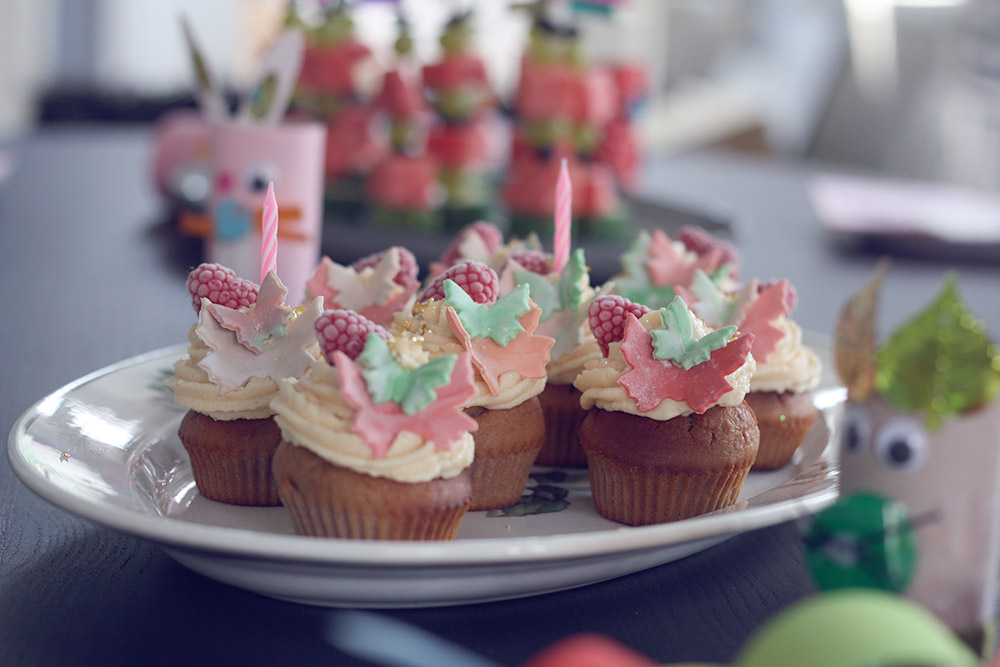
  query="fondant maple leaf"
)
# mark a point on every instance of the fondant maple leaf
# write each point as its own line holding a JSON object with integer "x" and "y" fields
{"x": 258, "y": 323}
{"x": 706, "y": 299}
{"x": 497, "y": 321}
{"x": 369, "y": 293}
{"x": 388, "y": 380}
{"x": 676, "y": 342}
{"x": 668, "y": 266}
{"x": 230, "y": 364}
{"x": 527, "y": 354}
{"x": 773, "y": 302}
{"x": 441, "y": 422}
{"x": 650, "y": 381}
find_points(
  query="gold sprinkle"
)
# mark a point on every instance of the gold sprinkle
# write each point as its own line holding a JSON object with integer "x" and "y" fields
{"x": 63, "y": 457}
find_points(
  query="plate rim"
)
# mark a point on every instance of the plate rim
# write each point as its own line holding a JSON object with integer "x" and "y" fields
{"x": 247, "y": 543}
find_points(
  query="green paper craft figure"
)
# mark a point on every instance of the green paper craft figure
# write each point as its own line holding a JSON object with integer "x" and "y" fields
{"x": 919, "y": 463}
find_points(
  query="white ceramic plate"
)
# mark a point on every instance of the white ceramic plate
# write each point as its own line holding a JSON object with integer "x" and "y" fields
{"x": 105, "y": 448}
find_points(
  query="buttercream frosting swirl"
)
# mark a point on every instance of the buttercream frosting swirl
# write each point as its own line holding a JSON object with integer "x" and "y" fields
{"x": 312, "y": 413}
{"x": 791, "y": 366}
{"x": 599, "y": 387}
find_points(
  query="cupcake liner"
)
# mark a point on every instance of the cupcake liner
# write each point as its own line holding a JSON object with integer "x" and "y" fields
{"x": 231, "y": 460}
{"x": 783, "y": 420}
{"x": 640, "y": 497}
{"x": 507, "y": 444}
{"x": 563, "y": 418}
{"x": 325, "y": 500}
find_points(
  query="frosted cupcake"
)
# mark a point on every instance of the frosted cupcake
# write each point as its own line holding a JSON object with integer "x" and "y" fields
{"x": 669, "y": 435}
{"x": 787, "y": 371}
{"x": 245, "y": 341}
{"x": 459, "y": 312}
{"x": 377, "y": 447}
{"x": 376, "y": 286}
{"x": 563, "y": 297}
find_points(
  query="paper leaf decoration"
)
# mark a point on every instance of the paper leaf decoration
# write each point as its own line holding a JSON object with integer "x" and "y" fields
{"x": 388, "y": 380}
{"x": 497, "y": 321}
{"x": 855, "y": 338}
{"x": 230, "y": 364}
{"x": 773, "y": 302}
{"x": 941, "y": 363}
{"x": 526, "y": 354}
{"x": 676, "y": 342}
{"x": 266, "y": 318}
{"x": 441, "y": 422}
{"x": 650, "y": 381}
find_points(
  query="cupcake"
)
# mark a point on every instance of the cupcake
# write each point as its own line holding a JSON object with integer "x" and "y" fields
{"x": 376, "y": 286}
{"x": 245, "y": 341}
{"x": 787, "y": 371}
{"x": 376, "y": 447}
{"x": 563, "y": 297}
{"x": 669, "y": 435}
{"x": 459, "y": 312}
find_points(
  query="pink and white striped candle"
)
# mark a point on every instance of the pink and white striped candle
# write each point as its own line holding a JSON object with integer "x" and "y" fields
{"x": 563, "y": 219}
{"x": 269, "y": 234}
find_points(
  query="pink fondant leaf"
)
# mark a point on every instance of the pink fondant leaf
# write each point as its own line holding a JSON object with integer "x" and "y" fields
{"x": 773, "y": 302}
{"x": 255, "y": 325}
{"x": 650, "y": 381}
{"x": 441, "y": 422}
{"x": 526, "y": 354}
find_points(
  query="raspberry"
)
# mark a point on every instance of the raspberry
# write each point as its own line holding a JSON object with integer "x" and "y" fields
{"x": 478, "y": 280}
{"x": 607, "y": 318}
{"x": 345, "y": 330}
{"x": 535, "y": 261}
{"x": 698, "y": 241}
{"x": 221, "y": 286}
{"x": 489, "y": 232}
{"x": 407, "y": 265}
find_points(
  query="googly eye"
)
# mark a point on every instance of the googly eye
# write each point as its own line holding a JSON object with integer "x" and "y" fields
{"x": 855, "y": 433}
{"x": 901, "y": 444}
{"x": 257, "y": 176}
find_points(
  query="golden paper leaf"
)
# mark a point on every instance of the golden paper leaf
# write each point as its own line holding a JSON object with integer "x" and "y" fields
{"x": 855, "y": 340}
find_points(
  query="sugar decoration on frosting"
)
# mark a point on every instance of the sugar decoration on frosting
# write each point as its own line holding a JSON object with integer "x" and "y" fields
{"x": 676, "y": 342}
{"x": 502, "y": 335}
{"x": 440, "y": 421}
{"x": 753, "y": 310}
{"x": 277, "y": 341}
{"x": 388, "y": 380}
{"x": 267, "y": 318}
{"x": 497, "y": 321}
{"x": 564, "y": 294}
{"x": 371, "y": 292}
{"x": 651, "y": 379}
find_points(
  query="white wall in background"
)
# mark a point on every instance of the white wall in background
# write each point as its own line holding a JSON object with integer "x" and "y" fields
{"x": 27, "y": 57}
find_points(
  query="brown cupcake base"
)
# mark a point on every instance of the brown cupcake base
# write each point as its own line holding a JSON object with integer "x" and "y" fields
{"x": 563, "y": 418}
{"x": 783, "y": 419}
{"x": 325, "y": 500}
{"x": 507, "y": 444}
{"x": 644, "y": 471}
{"x": 231, "y": 460}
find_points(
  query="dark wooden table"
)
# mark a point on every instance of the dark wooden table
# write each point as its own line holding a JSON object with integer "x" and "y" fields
{"x": 92, "y": 276}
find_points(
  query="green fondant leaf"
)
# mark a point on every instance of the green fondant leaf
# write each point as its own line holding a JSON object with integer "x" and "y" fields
{"x": 677, "y": 342}
{"x": 497, "y": 321}
{"x": 721, "y": 273}
{"x": 941, "y": 363}
{"x": 543, "y": 292}
{"x": 712, "y": 306}
{"x": 572, "y": 283}
{"x": 388, "y": 380}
